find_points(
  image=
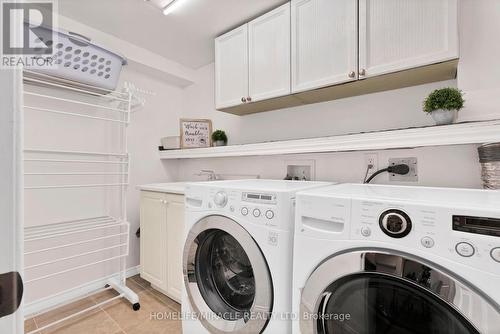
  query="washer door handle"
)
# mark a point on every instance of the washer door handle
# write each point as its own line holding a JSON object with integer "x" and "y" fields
{"x": 11, "y": 293}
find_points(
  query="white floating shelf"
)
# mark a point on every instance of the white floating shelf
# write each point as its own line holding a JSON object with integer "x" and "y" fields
{"x": 455, "y": 134}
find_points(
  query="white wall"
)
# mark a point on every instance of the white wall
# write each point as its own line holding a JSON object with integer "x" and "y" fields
{"x": 455, "y": 166}
{"x": 477, "y": 77}
{"x": 139, "y": 58}
{"x": 458, "y": 165}
{"x": 158, "y": 118}
{"x": 450, "y": 166}
{"x": 386, "y": 110}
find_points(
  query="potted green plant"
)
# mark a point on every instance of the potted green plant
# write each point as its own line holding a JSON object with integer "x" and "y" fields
{"x": 219, "y": 138}
{"x": 444, "y": 104}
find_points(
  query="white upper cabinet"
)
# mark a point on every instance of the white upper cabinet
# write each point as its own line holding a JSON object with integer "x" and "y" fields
{"x": 395, "y": 35}
{"x": 278, "y": 59}
{"x": 269, "y": 55}
{"x": 231, "y": 68}
{"x": 324, "y": 43}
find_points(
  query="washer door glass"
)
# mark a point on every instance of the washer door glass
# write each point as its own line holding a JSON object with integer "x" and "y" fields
{"x": 378, "y": 303}
{"x": 374, "y": 291}
{"x": 226, "y": 277}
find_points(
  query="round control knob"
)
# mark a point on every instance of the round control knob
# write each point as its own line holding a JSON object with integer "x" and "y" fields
{"x": 427, "y": 242}
{"x": 395, "y": 223}
{"x": 269, "y": 214}
{"x": 256, "y": 213}
{"x": 244, "y": 211}
{"x": 220, "y": 199}
{"x": 495, "y": 254}
{"x": 465, "y": 249}
{"x": 366, "y": 231}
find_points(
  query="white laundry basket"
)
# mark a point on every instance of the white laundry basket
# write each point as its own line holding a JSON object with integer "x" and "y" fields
{"x": 79, "y": 60}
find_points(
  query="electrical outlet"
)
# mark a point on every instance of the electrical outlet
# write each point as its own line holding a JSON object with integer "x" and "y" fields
{"x": 412, "y": 176}
{"x": 371, "y": 159}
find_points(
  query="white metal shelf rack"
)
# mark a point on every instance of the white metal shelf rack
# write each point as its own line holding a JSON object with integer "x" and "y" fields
{"x": 56, "y": 251}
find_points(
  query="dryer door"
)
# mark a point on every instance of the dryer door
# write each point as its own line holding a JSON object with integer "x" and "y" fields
{"x": 227, "y": 278}
{"x": 372, "y": 292}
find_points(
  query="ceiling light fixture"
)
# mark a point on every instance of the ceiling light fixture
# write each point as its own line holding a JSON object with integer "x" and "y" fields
{"x": 172, "y": 6}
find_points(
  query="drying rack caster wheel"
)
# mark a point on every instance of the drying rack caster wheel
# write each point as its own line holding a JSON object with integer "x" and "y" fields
{"x": 136, "y": 307}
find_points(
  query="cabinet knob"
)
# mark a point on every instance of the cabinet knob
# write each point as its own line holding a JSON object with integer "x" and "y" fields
{"x": 249, "y": 99}
{"x": 243, "y": 100}
{"x": 362, "y": 72}
{"x": 352, "y": 74}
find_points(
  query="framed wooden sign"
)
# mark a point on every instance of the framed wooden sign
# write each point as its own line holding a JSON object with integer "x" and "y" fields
{"x": 196, "y": 133}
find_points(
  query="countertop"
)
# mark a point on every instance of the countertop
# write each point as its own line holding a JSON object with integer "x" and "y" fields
{"x": 170, "y": 188}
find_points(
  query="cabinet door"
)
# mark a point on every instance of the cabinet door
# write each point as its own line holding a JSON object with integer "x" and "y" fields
{"x": 269, "y": 54}
{"x": 175, "y": 240}
{"x": 324, "y": 43}
{"x": 153, "y": 235}
{"x": 231, "y": 68}
{"x": 400, "y": 34}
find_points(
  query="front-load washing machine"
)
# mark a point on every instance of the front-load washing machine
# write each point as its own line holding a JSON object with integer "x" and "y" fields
{"x": 397, "y": 260}
{"x": 237, "y": 259}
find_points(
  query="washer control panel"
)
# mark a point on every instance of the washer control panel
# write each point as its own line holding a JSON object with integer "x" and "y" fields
{"x": 427, "y": 242}
{"x": 268, "y": 213}
{"x": 256, "y": 207}
{"x": 395, "y": 223}
{"x": 495, "y": 254}
{"x": 256, "y": 213}
{"x": 477, "y": 225}
{"x": 465, "y": 249}
{"x": 267, "y": 198}
{"x": 220, "y": 199}
{"x": 470, "y": 239}
{"x": 244, "y": 211}
{"x": 461, "y": 226}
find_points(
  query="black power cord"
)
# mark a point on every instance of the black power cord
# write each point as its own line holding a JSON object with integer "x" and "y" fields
{"x": 402, "y": 169}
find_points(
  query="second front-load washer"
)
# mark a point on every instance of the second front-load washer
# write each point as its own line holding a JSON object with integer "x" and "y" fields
{"x": 372, "y": 259}
{"x": 237, "y": 258}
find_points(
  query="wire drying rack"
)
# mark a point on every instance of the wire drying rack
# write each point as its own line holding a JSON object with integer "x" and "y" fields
{"x": 77, "y": 233}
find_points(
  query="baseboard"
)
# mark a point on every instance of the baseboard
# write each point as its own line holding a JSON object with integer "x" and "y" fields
{"x": 64, "y": 297}
{"x": 133, "y": 271}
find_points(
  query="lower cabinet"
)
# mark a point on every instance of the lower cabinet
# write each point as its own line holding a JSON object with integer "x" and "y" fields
{"x": 162, "y": 231}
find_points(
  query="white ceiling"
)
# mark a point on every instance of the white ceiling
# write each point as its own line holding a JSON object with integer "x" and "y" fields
{"x": 185, "y": 36}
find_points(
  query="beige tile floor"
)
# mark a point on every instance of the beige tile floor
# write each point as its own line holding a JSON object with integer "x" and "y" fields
{"x": 116, "y": 317}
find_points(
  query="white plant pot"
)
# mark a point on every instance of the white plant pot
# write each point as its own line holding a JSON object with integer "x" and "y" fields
{"x": 219, "y": 143}
{"x": 444, "y": 117}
